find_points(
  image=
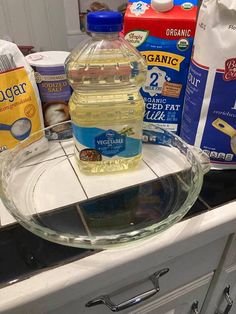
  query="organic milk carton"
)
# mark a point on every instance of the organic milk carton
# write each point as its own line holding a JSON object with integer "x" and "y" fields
{"x": 163, "y": 32}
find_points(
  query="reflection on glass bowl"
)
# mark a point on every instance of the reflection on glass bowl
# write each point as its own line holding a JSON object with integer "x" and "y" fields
{"x": 59, "y": 203}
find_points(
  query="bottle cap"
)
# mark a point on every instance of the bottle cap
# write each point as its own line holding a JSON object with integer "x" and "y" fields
{"x": 162, "y": 5}
{"x": 104, "y": 21}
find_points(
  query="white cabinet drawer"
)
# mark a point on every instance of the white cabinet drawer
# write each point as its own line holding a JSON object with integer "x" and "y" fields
{"x": 222, "y": 293}
{"x": 133, "y": 279}
{"x": 228, "y": 287}
{"x": 179, "y": 301}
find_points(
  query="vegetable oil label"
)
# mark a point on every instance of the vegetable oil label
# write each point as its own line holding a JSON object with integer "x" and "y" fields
{"x": 96, "y": 144}
{"x": 165, "y": 42}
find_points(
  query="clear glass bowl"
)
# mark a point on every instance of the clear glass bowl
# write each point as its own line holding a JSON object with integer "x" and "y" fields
{"x": 44, "y": 190}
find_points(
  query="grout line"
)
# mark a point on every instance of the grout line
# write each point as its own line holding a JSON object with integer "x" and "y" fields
{"x": 63, "y": 148}
{"x": 75, "y": 171}
{"x": 107, "y": 193}
{"x": 83, "y": 220}
{"x": 79, "y": 211}
{"x": 40, "y": 162}
{"x": 78, "y": 178}
{"x": 205, "y": 203}
{"x": 151, "y": 169}
{"x": 118, "y": 190}
{"x": 114, "y": 191}
{"x": 111, "y": 192}
{"x": 77, "y": 149}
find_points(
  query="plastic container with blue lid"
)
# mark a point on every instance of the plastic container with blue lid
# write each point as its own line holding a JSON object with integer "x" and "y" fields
{"x": 106, "y": 108}
{"x": 104, "y": 21}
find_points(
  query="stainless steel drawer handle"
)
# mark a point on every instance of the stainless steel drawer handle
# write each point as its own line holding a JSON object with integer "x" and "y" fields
{"x": 228, "y": 300}
{"x": 195, "y": 307}
{"x": 105, "y": 299}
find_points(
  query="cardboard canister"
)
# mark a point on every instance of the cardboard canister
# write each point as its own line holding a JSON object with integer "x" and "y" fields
{"x": 54, "y": 90}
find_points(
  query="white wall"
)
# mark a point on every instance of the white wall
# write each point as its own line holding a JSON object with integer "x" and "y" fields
{"x": 40, "y": 23}
{"x": 74, "y": 35}
{"x": 112, "y": 4}
{"x": 45, "y": 24}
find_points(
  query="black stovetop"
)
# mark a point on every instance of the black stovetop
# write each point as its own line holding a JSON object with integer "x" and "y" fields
{"x": 219, "y": 187}
{"x": 23, "y": 254}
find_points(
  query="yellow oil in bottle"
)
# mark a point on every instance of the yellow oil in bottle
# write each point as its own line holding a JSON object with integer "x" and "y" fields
{"x": 106, "y": 107}
{"x": 120, "y": 111}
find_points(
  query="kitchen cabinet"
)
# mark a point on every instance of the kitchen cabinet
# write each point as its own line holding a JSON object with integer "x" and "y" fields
{"x": 199, "y": 253}
{"x": 227, "y": 300}
{"x": 185, "y": 300}
{"x": 213, "y": 293}
{"x": 221, "y": 298}
{"x": 185, "y": 279}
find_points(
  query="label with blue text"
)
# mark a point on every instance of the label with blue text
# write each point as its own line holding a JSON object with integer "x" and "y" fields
{"x": 209, "y": 121}
{"x": 96, "y": 144}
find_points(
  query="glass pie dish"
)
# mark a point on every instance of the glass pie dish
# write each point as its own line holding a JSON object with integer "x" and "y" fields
{"x": 44, "y": 190}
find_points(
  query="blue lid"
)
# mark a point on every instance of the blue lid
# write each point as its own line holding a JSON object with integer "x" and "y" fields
{"x": 104, "y": 21}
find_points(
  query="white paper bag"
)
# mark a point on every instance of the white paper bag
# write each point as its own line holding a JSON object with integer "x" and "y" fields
{"x": 209, "y": 115}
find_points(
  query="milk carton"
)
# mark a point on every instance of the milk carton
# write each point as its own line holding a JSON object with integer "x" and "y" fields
{"x": 165, "y": 41}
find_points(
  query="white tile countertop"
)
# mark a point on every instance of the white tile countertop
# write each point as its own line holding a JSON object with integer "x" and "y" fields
{"x": 58, "y": 162}
{"x": 50, "y": 289}
{"x": 39, "y": 290}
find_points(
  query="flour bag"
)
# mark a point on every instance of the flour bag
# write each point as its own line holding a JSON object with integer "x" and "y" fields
{"x": 20, "y": 105}
{"x": 209, "y": 115}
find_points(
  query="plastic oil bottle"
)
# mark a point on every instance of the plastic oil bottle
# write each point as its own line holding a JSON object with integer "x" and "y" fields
{"x": 106, "y": 107}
